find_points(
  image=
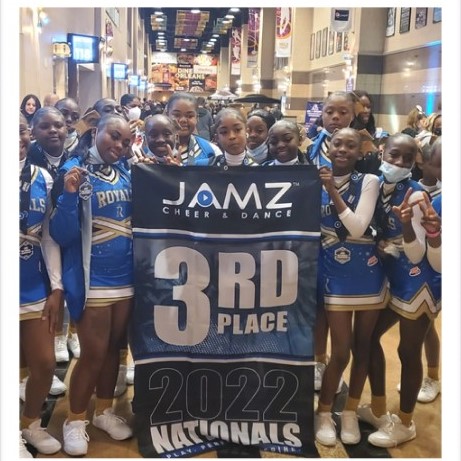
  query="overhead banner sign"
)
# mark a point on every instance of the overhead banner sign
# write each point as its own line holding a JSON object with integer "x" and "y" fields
{"x": 236, "y": 47}
{"x": 225, "y": 289}
{"x": 283, "y": 32}
{"x": 254, "y": 17}
{"x": 341, "y": 19}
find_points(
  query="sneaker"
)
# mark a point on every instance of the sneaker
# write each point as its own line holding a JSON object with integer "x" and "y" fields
{"x": 365, "y": 414}
{"x": 57, "y": 386}
{"x": 75, "y": 437}
{"x": 23, "y": 451}
{"x": 430, "y": 389}
{"x": 120, "y": 386}
{"x": 22, "y": 389}
{"x": 392, "y": 433}
{"x": 114, "y": 425}
{"x": 74, "y": 344}
{"x": 130, "y": 374}
{"x": 60, "y": 348}
{"x": 39, "y": 438}
{"x": 350, "y": 432}
{"x": 324, "y": 427}
{"x": 398, "y": 387}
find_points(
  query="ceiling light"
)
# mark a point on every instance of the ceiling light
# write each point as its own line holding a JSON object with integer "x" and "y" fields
{"x": 195, "y": 11}
{"x": 229, "y": 16}
{"x": 159, "y": 19}
{"x": 158, "y": 13}
{"x": 234, "y": 10}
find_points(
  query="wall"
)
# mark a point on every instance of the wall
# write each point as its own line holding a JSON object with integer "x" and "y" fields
{"x": 40, "y": 73}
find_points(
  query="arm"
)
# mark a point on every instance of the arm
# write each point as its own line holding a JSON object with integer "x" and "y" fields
{"x": 52, "y": 257}
{"x": 414, "y": 238}
{"x": 432, "y": 224}
{"x": 356, "y": 222}
{"x": 65, "y": 220}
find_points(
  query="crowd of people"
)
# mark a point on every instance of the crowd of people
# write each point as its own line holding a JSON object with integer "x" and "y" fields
{"x": 378, "y": 264}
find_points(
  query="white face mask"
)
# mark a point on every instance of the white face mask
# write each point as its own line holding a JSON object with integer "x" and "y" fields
{"x": 134, "y": 113}
{"x": 394, "y": 173}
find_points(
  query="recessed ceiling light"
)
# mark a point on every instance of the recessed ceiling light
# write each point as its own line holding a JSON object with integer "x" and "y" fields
{"x": 195, "y": 11}
{"x": 229, "y": 16}
{"x": 234, "y": 10}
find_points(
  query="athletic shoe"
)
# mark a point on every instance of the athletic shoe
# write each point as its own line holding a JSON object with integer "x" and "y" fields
{"x": 22, "y": 389}
{"x": 23, "y": 451}
{"x": 350, "y": 432}
{"x": 324, "y": 427}
{"x": 57, "y": 387}
{"x": 340, "y": 385}
{"x": 60, "y": 348}
{"x": 393, "y": 433}
{"x": 120, "y": 386}
{"x": 430, "y": 389}
{"x": 75, "y": 437}
{"x": 114, "y": 425}
{"x": 130, "y": 374}
{"x": 398, "y": 387}
{"x": 39, "y": 438}
{"x": 319, "y": 370}
{"x": 74, "y": 345}
{"x": 365, "y": 414}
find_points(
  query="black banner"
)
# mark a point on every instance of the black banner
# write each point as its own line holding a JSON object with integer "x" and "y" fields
{"x": 225, "y": 284}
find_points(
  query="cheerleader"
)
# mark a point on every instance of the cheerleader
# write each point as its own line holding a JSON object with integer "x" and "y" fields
{"x": 284, "y": 140}
{"x": 230, "y": 130}
{"x": 415, "y": 293}
{"x": 351, "y": 281}
{"x": 92, "y": 223}
{"x": 258, "y": 124}
{"x": 41, "y": 294}
{"x": 193, "y": 150}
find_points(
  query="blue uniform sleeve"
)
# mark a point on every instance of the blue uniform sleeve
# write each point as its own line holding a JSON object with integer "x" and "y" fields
{"x": 65, "y": 220}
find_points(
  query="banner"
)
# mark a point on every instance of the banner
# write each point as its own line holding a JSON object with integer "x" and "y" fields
{"x": 341, "y": 19}
{"x": 313, "y": 112}
{"x": 236, "y": 47}
{"x": 254, "y": 16}
{"x": 225, "y": 290}
{"x": 283, "y": 32}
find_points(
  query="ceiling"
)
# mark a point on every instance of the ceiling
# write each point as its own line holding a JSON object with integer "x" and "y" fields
{"x": 185, "y": 30}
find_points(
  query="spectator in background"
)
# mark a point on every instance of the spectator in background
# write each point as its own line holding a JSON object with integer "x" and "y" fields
{"x": 50, "y": 99}
{"x": 29, "y": 105}
{"x": 204, "y": 119}
{"x": 415, "y": 119}
{"x": 277, "y": 112}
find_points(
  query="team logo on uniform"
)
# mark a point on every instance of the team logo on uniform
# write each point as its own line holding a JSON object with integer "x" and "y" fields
{"x": 372, "y": 261}
{"x": 414, "y": 271}
{"x": 342, "y": 255}
{"x": 26, "y": 250}
{"x": 85, "y": 191}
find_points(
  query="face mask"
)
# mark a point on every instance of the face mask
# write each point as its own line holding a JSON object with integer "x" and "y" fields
{"x": 438, "y": 131}
{"x": 134, "y": 113}
{"x": 394, "y": 173}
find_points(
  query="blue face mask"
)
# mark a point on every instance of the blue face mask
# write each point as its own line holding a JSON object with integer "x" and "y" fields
{"x": 393, "y": 173}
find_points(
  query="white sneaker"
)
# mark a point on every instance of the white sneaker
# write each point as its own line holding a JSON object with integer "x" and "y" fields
{"x": 392, "y": 433}
{"x": 340, "y": 385}
{"x": 350, "y": 432}
{"x": 318, "y": 375}
{"x": 430, "y": 389}
{"x": 23, "y": 451}
{"x": 114, "y": 425}
{"x": 130, "y": 374}
{"x": 22, "y": 389}
{"x": 120, "y": 386}
{"x": 324, "y": 428}
{"x": 60, "y": 348}
{"x": 57, "y": 386}
{"x": 75, "y": 437}
{"x": 365, "y": 414}
{"x": 39, "y": 438}
{"x": 74, "y": 345}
